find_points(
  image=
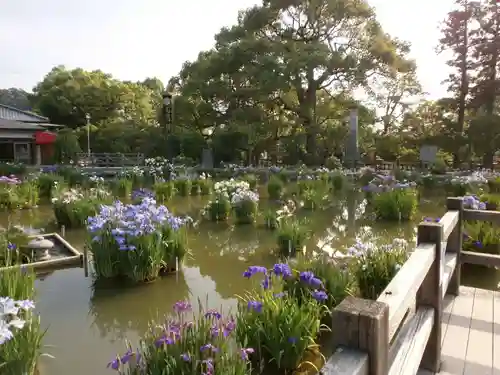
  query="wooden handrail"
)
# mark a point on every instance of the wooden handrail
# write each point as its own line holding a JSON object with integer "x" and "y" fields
{"x": 107, "y": 160}
{"x": 401, "y": 331}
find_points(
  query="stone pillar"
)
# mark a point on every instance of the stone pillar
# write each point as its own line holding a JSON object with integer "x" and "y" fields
{"x": 38, "y": 155}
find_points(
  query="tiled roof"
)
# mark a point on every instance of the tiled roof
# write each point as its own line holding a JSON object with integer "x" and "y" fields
{"x": 10, "y": 113}
{"x": 17, "y": 125}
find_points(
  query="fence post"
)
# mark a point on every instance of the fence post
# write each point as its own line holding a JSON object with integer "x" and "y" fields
{"x": 429, "y": 294}
{"x": 364, "y": 325}
{"x": 454, "y": 244}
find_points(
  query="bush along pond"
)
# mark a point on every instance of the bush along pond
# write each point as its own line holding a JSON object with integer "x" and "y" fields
{"x": 191, "y": 272}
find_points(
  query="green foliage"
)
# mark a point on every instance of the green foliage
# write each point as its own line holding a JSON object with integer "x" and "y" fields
{"x": 492, "y": 201}
{"x": 275, "y": 188}
{"x": 193, "y": 351}
{"x": 245, "y": 211}
{"x": 206, "y": 186}
{"x": 276, "y": 326}
{"x": 121, "y": 187}
{"x": 164, "y": 191}
{"x": 291, "y": 237}
{"x": 482, "y": 237}
{"x": 338, "y": 181}
{"x": 494, "y": 185}
{"x": 218, "y": 209}
{"x": 375, "y": 266}
{"x": 183, "y": 186}
{"x": 66, "y": 147}
{"x": 47, "y": 182}
{"x": 19, "y": 195}
{"x": 395, "y": 205}
{"x": 20, "y": 354}
{"x": 9, "y": 169}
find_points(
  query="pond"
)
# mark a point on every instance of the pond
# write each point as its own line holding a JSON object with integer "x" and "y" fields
{"x": 87, "y": 325}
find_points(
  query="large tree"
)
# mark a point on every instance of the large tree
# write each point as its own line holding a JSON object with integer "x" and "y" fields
{"x": 15, "y": 97}
{"x": 266, "y": 72}
{"x": 67, "y": 96}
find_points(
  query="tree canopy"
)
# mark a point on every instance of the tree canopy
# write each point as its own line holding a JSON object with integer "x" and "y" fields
{"x": 281, "y": 81}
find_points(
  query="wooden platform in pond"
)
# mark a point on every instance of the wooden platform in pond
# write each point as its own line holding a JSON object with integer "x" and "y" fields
{"x": 470, "y": 333}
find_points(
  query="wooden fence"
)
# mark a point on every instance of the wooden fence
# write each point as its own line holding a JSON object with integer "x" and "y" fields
{"x": 400, "y": 332}
{"x": 110, "y": 160}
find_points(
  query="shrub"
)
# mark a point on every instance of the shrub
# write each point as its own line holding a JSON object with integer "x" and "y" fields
{"x": 252, "y": 180}
{"x": 73, "y": 176}
{"x": 135, "y": 241}
{"x": 333, "y": 163}
{"x": 429, "y": 182}
{"x": 494, "y": 185}
{"x": 338, "y": 181}
{"x": 206, "y": 185}
{"x": 275, "y": 188}
{"x": 399, "y": 203}
{"x": 187, "y": 346}
{"x": 492, "y": 201}
{"x": 273, "y": 323}
{"x": 291, "y": 237}
{"x": 12, "y": 169}
{"x": 375, "y": 266}
{"x": 163, "y": 191}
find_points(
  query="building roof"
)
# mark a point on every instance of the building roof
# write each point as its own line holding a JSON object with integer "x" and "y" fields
{"x": 11, "y": 113}
{"x": 18, "y": 125}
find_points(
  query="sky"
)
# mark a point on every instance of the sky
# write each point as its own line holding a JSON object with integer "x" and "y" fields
{"x": 134, "y": 39}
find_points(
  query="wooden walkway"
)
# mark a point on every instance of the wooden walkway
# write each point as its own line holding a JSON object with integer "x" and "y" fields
{"x": 470, "y": 333}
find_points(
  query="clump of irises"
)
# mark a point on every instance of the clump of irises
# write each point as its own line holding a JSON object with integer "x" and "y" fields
{"x": 275, "y": 323}
{"x": 15, "y": 193}
{"x": 136, "y": 241}
{"x": 392, "y": 200}
{"x": 472, "y": 202}
{"x": 375, "y": 265}
{"x": 187, "y": 344}
{"x": 11, "y": 317}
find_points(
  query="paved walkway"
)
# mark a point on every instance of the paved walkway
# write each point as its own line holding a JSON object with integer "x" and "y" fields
{"x": 471, "y": 333}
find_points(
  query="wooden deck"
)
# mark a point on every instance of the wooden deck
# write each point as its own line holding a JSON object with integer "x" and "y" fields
{"x": 470, "y": 333}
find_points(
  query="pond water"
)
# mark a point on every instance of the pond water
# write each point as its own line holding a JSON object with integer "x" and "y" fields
{"x": 87, "y": 326}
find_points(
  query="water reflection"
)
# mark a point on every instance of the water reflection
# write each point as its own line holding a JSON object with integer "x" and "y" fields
{"x": 117, "y": 311}
{"x": 87, "y": 325}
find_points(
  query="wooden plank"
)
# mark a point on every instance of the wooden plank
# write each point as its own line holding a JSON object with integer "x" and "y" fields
{"x": 450, "y": 262}
{"x": 410, "y": 344}
{"x": 449, "y": 221}
{"x": 346, "y": 362}
{"x": 454, "y": 347}
{"x": 482, "y": 215}
{"x": 454, "y": 244}
{"x": 430, "y": 293}
{"x": 482, "y": 259}
{"x": 496, "y": 333}
{"x": 401, "y": 291}
{"x": 479, "y": 358}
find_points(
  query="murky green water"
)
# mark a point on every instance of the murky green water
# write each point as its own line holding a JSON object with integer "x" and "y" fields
{"x": 87, "y": 326}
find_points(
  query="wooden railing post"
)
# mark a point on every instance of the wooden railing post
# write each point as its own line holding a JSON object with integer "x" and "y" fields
{"x": 455, "y": 243}
{"x": 430, "y": 294}
{"x": 364, "y": 325}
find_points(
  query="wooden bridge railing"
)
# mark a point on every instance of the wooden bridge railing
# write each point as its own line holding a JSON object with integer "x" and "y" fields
{"x": 110, "y": 160}
{"x": 400, "y": 332}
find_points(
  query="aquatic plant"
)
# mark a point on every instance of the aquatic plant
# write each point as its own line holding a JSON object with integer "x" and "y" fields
{"x": 182, "y": 185}
{"x": 275, "y": 324}
{"x": 205, "y": 183}
{"x": 393, "y": 201}
{"x": 481, "y": 237}
{"x": 494, "y": 184}
{"x": 291, "y": 237}
{"x": 275, "y": 187}
{"x": 374, "y": 266}
{"x": 184, "y": 345}
{"x": 136, "y": 241}
{"x": 47, "y": 183}
{"x": 16, "y": 193}
{"x": 20, "y": 332}
{"x": 252, "y": 180}
{"x": 492, "y": 201}
{"x": 73, "y": 207}
{"x": 217, "y": 209}
{"x": 245, "y": 205}
{"x": 228, "y": 188}
{"x": 121, "y": 187}
{"x": 163, "y": 191}
{"x": 324, "y": 273}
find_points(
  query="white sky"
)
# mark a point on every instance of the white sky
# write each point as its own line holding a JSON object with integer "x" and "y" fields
{"x": 134, "y": 39}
